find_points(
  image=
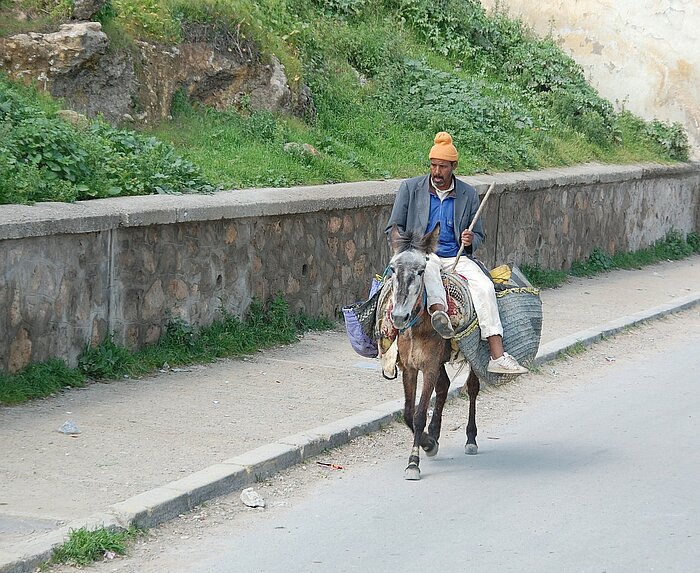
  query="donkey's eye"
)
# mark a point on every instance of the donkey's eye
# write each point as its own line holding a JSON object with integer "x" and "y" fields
{"x": 420, "y": 272}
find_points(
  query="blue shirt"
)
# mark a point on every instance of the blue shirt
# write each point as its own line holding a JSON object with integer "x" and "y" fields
{"x": 443, "y": 212}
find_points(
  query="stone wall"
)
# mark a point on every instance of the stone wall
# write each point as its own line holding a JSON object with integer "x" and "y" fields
{"x": 70, "y": 274}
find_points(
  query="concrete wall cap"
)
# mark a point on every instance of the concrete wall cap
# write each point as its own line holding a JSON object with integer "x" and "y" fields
{"x": 46, "y": 219}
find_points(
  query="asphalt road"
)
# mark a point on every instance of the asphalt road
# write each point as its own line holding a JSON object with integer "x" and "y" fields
{"x": 599, "y": 478}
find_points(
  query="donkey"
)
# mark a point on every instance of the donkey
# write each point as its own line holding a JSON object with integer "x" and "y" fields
{"x": 422, "y": 349}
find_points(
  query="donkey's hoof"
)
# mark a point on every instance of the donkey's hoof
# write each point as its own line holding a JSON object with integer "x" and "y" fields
{"x": 432, "y": 451}
{"x": 412, "y": 473}
{"x": 471, "y": 449}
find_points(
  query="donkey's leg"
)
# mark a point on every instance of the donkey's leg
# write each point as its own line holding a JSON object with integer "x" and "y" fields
{"x": 473, "y": 389}
{"x": 426, "y": 440}
{"x": 441, "y": 389}
{"x": 410, "y": 381}
{"x": 420, "y": 417}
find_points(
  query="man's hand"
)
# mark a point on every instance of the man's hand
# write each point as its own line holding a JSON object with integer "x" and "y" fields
{"x": 467, "y": 237}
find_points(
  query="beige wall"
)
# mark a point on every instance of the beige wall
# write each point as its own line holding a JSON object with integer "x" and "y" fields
{"x": 643, "y": 54}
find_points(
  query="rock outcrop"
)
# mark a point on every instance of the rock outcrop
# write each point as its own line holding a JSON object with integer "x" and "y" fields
{"x": 77, "y": 64}
{"x": 207, "y": 75}
{"x": 42, "y": 57}
{"x": 86, "y": 9}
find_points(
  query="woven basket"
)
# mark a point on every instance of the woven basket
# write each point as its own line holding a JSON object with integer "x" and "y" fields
{"x": 459, "y": 302}
{"x": 520, "y": 310}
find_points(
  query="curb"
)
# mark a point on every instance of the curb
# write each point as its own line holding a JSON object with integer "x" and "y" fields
{"x": 161, "y": 504}
{"x": 553, "y": 350}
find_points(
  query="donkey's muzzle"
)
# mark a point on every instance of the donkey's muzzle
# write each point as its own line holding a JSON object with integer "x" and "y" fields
{"x": 400, "y": 319}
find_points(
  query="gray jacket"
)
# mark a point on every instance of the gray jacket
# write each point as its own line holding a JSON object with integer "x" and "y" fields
{"x": 412, "y": 209}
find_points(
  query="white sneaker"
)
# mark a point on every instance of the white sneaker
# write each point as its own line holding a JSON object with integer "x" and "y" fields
{"x": 506, "y": 364}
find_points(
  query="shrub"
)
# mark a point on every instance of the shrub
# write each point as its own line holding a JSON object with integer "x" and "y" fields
{"x": 178, "y": 332}
{"x": 47, "y": 159}
{"x": 106, "y": 360}
{"x": 598, "y": 261}
{"x": 673, "y": 246}
{"x": 694, "y": 242}
{"x": 451, "y": 27}
{"x": 343, "y": 8}
{"x": 672, "y": 138}
{"x": 490, "y": 127}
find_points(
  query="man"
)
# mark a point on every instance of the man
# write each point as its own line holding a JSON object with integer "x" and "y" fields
{"x": 423, "y": 202}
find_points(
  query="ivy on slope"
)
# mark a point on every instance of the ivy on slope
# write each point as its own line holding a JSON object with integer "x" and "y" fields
{"x": 503, "y": 49}
{"x": 493, "y": 128}
{"x": 504, "y": 92}
{"x": 44, "y": 158}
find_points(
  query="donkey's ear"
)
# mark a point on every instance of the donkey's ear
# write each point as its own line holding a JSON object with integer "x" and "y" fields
{"x": 394, "y": 236}
{"x": 429, "y": 242}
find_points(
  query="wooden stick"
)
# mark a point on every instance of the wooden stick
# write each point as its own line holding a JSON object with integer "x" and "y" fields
{"x": 471, "y": 225}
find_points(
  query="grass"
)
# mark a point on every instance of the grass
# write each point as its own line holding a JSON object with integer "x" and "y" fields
{"x": 544, "y": 278}
{"x": 248, "y": 150}
{"x": 263, "y": 327}
{"x": 84, "y": 546}
{"x": 672, "y": 247}
{"x": 573, "y": 350}
{"x": 362, "y": 138}
{"x": 385, "y": 76}
{"x": 37, "y": 381}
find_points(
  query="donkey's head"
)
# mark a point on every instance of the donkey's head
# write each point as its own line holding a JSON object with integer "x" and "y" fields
{"x": 410, "y": 254}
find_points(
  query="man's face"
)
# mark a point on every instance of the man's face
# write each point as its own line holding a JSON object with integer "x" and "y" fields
{"x": 441, "y": 172}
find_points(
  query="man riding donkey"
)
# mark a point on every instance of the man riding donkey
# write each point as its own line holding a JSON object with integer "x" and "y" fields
{"x": 440, "y": 198}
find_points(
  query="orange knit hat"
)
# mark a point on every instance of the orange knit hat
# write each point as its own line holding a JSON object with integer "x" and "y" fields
{"x": 443, "y": 148}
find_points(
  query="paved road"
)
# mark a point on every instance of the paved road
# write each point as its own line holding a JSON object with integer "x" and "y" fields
{"x": 601, "y": 477}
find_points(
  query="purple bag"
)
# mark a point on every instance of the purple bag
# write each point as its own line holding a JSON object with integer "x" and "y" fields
{"x": 359, "y": 322}
{"x": 361, "y": 343}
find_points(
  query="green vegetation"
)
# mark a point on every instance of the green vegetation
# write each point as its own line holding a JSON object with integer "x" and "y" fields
{"x": 44, "y": 158}
{"x": 263, "y": 327}
{"x": 84, "y": 546}
{"x": 544, "y": 278}
{"x": 37, "y": 381}
{"x": 385, "y": 76}
{"x": 672, "y": 247}
{"x": 573, "y": 350}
